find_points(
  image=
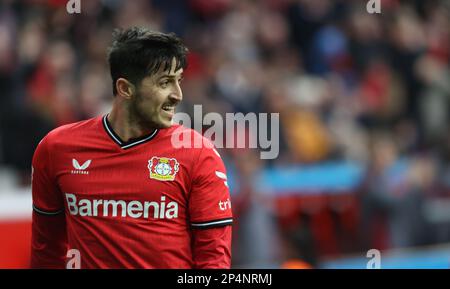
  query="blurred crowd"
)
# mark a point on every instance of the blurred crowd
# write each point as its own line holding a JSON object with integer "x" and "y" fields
{"x": 349, "y": 87}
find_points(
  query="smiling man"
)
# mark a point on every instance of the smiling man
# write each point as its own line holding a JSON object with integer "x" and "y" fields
{"x": 115, "y": 189}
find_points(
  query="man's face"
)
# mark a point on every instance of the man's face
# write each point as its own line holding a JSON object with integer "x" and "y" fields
{"x": 156, "y": 98}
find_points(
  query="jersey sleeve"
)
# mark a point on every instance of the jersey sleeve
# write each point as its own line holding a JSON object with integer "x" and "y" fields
{"x": 210, "y": 212}
{"x": 49, "y": 239}
{"x": 209, "y": 200}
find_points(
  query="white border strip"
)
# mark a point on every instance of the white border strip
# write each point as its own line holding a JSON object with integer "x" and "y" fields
{"x": 109, "y": 131}
{"x": 212, "y": 223}
{"x": 47, "y": 213}
{"x": 119, "y": 142}
{"x": 141, "y": 141}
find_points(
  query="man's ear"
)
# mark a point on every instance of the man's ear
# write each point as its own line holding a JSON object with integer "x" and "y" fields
{"x": 125, "y": 88}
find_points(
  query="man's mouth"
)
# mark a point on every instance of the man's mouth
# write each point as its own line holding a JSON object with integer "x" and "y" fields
{"x": 169, "y": 108}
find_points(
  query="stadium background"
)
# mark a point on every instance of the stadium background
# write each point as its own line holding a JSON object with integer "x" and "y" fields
{"x": 364, "y": 115}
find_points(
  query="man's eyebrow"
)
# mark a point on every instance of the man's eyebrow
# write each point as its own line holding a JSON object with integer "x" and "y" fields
{"x": 170, "y": 76}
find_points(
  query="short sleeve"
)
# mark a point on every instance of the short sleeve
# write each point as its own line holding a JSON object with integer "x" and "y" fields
{"x": 209, "y": 200}
{"x": 49, "y": 238}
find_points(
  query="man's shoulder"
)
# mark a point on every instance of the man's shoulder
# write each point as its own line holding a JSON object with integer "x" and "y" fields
{"x": 192, "y": 142}
{"x": 69, "y": 132}
{"x": 189, "y": 138}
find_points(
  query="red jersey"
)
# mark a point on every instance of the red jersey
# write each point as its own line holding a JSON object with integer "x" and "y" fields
{"x": 137, "y": 204}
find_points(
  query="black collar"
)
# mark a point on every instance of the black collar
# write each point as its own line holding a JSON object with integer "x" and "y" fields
{"x": 128, "y": 144}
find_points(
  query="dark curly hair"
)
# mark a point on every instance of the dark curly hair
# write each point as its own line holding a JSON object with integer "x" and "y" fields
{"x": 139, "y": 52}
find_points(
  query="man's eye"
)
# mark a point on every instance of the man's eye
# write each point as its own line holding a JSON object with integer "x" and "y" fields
{"x": 164, "y": 83}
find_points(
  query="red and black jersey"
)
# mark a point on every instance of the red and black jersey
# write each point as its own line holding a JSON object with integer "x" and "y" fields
{"x": 145, "y": 203}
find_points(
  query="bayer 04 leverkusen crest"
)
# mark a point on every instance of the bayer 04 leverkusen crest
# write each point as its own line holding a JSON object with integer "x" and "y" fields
{"x": 163, "y": 169}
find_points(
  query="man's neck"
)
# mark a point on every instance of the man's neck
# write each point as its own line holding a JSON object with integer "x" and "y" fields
{"x": 124, "y": 126}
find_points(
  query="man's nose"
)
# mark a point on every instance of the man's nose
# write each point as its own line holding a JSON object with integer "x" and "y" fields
{"x": 176, "y": 94}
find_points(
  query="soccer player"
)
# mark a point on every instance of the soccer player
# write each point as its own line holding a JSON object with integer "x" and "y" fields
{"x": 117, "y": 188}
